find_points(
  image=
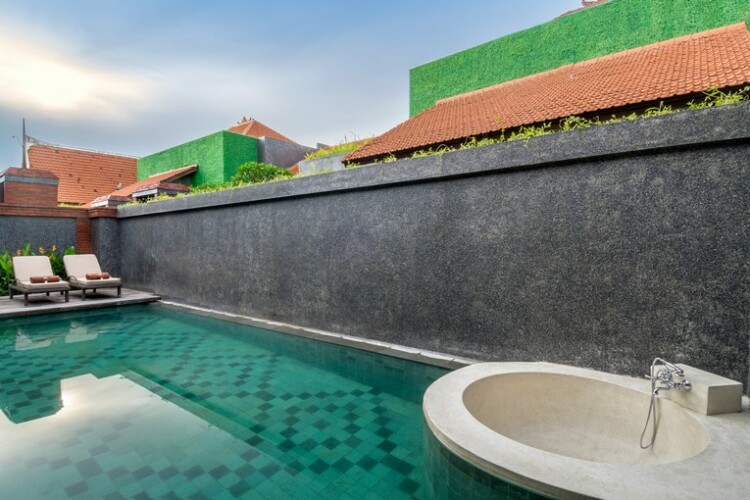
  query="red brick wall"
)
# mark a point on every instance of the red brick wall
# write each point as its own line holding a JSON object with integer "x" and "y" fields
{"x": 19, "y": 193}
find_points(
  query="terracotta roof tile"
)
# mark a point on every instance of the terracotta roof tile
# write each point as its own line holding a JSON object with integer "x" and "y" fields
{"x": 254, "y": 128}
{"x": 83, "y": 175}
{"x": 168, "y": 176}
{"x": 677, "y": 67}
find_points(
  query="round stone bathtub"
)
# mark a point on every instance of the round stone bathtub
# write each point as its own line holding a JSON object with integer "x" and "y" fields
{"x": 571, "y": 432}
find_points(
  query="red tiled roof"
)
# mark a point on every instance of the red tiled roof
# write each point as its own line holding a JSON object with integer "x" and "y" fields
{"x": 83, "y": 175}
{"x": 168, "y": 176}
{"x": 254, "y": 128}
{"x": 682, "y": 66}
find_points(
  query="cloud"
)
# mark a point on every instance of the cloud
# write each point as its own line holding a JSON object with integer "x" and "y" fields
{"x": 37, "y": 78}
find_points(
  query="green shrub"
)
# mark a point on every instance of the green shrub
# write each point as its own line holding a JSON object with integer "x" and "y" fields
{"x": 254, "y": 173}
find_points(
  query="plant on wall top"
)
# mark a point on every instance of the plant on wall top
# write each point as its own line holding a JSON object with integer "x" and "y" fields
{"x": 253, "y": 173}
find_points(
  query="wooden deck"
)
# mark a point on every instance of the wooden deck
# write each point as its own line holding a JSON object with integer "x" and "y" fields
{"x": 41, "y": 304}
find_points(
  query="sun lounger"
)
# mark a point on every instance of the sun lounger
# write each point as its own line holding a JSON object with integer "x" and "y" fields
{"x": 39, "y": 268}
{"x": 82, "y": 271}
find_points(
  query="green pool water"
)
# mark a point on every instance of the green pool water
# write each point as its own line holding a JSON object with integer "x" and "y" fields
{"x": 148, "y": 402}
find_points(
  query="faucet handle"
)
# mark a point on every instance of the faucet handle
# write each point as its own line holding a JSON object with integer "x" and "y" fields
{"x": 685, "y": 385}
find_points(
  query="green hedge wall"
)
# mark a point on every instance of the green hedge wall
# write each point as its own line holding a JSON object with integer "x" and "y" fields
{"x": 217, "y": 155}
{"x": 603, "y": 29}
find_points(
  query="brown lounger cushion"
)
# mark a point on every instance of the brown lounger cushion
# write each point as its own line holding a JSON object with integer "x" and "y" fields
{"x": 93, "y": 276}
{"x": 37, "y": 279}
{"x": 105, "y": 276}
{"x": 52, "y": 279}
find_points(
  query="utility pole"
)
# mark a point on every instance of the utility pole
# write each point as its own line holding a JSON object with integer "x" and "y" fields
{"x": 24, "y": 160}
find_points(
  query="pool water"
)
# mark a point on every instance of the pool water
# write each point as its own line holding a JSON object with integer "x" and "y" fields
{"x": 149, "y": 402}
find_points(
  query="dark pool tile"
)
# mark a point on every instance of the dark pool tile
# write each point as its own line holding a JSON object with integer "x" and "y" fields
{"x": 331, "y": 443}
{"x": 318, "y": 466}
{"x": 219, "y": 472}
{"x": 270, "y": 469}
{"x": 245, "y": 470}
{"x": 289, "y": 432}
{"x": 409, "y": 486}
{"x": 239, "y": 489}
{"x": 77, "y": 489}
{"x": 88, "y": 468}
{"x": 291, "y": 420}
{"x": 384, "y": 433}
{"x": 381, "y": 420}
{"x": 194, "y": 472}
{"x": 308, "y": 444}
{"x": 168, "y": 472}
{"x": 401, "y": 466}
{"x": 143, "y": 472}
{"x": 367, "y": 463}
{"x": 353, "y": 441}
{"x": 250, "y": 455}
{"x": 352, "y": 428}
{"x": 387, "y": 446}
{"x": 287, "y": 445}
{"x": 264, "y": 395}
{"x": 343, "y": 465}
{"x": 254, "y": 440}
{"x": 117, "y": 472}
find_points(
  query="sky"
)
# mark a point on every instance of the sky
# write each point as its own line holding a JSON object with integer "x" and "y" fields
{"x": 135, "y": 77}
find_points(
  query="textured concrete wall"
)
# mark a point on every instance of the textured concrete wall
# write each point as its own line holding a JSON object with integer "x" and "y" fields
{"x": 105, "y": 243}
{"x": 15, "y": 232}
{"x": 600, "y": 248}
{"x": 322, "y": 165}
{"x": 607, "y": 28}
{"x": 281, "y": 153}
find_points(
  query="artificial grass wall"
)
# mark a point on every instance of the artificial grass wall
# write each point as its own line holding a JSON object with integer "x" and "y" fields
{"x": 218, "y": 155}
{"x": 599, "y": 30}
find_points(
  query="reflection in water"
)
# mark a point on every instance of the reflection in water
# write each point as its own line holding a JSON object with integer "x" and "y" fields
{"x": 75, "y": 331}
{"x": 107, "y": 426}
{"x": 48, "y": 350}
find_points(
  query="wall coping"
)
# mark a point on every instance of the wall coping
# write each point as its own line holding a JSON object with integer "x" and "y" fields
{"x": 707, "y": 127}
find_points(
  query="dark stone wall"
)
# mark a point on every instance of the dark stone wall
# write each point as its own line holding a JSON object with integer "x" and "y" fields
{"x": 16, "y": 231}
{"x": 281, "y": 153}
{"x": 600, "y": 248}
{"x": 105, "y": 243}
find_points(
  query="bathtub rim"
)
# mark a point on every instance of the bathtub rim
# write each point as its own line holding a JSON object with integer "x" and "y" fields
{"x": 564, "y": 477}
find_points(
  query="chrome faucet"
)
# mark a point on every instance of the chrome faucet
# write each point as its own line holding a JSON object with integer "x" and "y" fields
{"x": 665, "y": 375}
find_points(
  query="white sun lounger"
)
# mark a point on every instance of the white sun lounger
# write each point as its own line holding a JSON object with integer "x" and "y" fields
{"x": 78, "y": 266}
{"x": 24, "y": 267}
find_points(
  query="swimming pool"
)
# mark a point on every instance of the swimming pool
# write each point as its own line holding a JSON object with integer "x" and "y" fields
{"x": 145, "y": 401}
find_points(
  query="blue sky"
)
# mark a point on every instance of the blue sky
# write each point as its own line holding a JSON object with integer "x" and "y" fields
{"x": 138, "y": 76}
